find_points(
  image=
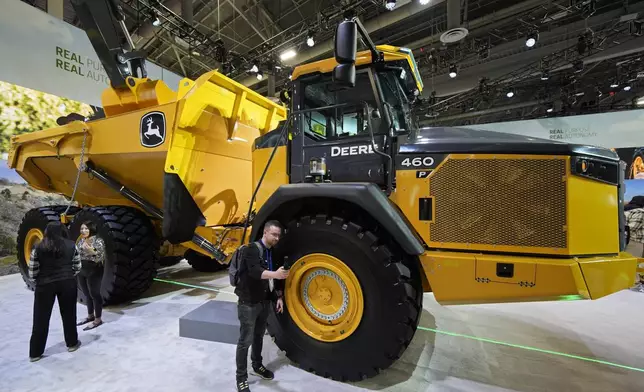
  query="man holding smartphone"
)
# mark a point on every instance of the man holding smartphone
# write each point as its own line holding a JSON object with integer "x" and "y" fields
{"x": 258, "y": 286}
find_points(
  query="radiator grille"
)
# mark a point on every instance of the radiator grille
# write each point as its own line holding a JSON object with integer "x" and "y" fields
{"x": 505, "y": 202}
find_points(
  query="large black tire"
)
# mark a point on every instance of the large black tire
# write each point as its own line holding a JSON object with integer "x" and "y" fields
{"x": 131, "y": 246}
{"x": 392, "y": 292}
{"x": 203, "y": 263}
{"x": 36, "y": 218}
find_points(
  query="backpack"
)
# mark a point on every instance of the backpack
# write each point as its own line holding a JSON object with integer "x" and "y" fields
{"x": 234, "y": 269}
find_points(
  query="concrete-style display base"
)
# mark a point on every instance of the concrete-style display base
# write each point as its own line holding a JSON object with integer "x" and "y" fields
{"x": 215, "y": 321}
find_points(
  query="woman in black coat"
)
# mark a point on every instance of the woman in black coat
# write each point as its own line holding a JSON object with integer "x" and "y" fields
{"x": 53, "y": 266}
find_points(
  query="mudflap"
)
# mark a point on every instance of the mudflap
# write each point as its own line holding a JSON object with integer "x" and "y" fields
{"x": 181, "y": 215}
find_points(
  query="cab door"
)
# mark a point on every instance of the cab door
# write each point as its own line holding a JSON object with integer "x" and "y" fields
{"x": 335, "y": 125}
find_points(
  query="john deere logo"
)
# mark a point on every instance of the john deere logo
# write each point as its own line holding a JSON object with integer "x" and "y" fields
{"x": 152, "y": 129}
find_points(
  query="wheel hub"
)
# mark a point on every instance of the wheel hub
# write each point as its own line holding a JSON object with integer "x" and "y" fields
{"x": 32, "y": 239}
{"x": 638, "y": 167}
{"x": 324, "y": 297}
{"x": 318, "y": 294}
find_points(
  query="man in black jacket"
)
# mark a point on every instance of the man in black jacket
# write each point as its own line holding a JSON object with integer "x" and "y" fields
{"x": 258, "y": 286}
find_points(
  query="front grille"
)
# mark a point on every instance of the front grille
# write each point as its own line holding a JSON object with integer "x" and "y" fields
{"x": 502, "y": 202}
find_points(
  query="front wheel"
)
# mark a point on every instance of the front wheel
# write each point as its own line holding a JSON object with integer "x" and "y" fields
{"x": 352, "y": 303}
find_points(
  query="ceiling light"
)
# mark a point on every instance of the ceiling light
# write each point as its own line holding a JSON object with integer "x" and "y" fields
{"x": 545, "y": 74}
{"x": 640, "y": 101}
{"x": 550, "y": 109}
{"x": 390, "y": 4}
{"x": 614, "y": 85}
{"x": 254, "y": 68}
{"x": 452, "y": 71}
{"x": 531, "y": 39}
{"x": 289, "y": 54}
{"x": 627, "y": 88}
{"x": 260, "y": 75}
{"x": 510, "y": 94}
{"x": 309, "y": 40}
{"x": 156, "y": 21}
{"x": 424, "y": 2}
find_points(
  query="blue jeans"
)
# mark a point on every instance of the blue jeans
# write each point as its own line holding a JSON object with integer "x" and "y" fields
{"x": 252, "y": 320}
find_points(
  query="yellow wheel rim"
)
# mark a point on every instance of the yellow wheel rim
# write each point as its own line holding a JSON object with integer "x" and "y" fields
{"x": 324, "y": 297}
{"x": 638, "y": 166}
{"x": 33, "y": 238}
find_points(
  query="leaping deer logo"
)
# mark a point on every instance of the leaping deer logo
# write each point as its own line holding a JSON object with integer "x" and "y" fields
{"x": 152, "y": 131}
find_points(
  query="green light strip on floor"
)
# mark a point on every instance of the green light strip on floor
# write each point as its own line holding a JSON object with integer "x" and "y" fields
{"x": 531, "y": 348}
{"x": 194, "y": 286}
{"x": 459, "y": 335}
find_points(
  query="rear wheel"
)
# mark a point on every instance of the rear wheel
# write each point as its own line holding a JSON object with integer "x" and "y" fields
{"x": 31, "y": 232}
{"x": 352, "y": 302}
{"x": 131, "y": 246}
{"x": 203, "y": 263}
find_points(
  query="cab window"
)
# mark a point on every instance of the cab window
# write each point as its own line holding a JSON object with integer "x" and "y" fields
{"x": 340, "y": 122}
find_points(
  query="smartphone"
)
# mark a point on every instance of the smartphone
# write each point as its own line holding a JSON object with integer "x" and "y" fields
{"x": 287, "y": 264}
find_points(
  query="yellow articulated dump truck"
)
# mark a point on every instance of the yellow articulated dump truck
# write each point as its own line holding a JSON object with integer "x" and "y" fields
{"x": 376, "y": 211}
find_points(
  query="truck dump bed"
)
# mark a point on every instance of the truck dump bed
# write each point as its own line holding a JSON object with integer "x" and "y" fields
{"x": 199, "y": 133}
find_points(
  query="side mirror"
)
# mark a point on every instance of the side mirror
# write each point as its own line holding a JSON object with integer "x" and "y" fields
{"x": 345, "y": 49}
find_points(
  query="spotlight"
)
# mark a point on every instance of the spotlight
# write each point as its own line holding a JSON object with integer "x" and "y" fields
{"x": 254, "y": 68}
{"x": 260, "y": 75}
{"x": 310, "y": 41}
{"x": 545, "y": 74}
{"x": 510, "y": 94}
{"x": 531, "y": 39}
{"x": 635, "y": 28}
{"x": 550, "y": 107}
{"x": 390, "y": 4}
{"x": 289, "y": 54}
{"x": 452, "y": 71}
{"x": 627, "y": 88}
{"x": 156, "y": 22}
{"x": 424, "y": 2}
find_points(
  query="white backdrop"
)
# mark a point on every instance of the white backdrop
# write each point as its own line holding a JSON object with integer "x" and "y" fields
{"x": 44, "y": 53}
{"x": 610, "y": 130}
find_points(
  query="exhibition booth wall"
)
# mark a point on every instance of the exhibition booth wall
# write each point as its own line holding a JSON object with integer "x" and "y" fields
{"x": 47, "y": 54}
{"x": 622, "y": 131}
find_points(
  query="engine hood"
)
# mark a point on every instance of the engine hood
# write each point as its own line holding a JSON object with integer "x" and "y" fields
{"x": 466, "y": 140}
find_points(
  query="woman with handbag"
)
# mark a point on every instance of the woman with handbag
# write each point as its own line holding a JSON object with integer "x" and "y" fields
{"x": 92, "y": 252}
